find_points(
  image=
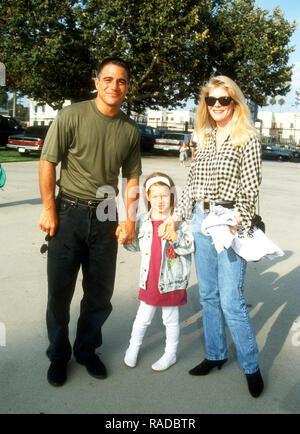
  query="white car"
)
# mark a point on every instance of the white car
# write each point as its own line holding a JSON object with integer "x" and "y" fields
{"x": 172, "y": 140}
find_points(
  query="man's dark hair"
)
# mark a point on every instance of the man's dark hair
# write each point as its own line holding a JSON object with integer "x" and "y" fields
{"x": 115, "y": 61}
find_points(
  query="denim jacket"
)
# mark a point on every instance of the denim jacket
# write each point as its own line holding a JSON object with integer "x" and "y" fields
{"x": 174, "y": 272}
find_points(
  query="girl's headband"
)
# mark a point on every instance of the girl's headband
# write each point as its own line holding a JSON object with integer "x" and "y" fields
{"x": 156, "y": 179}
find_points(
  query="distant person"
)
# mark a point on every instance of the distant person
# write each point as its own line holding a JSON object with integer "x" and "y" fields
{"x": 165, "y": 270}
{"x": 226, "y": 173}
{"x": 193, "y": 146}
{"x": 183, "y": 153}
{"x": 92, "y": 140}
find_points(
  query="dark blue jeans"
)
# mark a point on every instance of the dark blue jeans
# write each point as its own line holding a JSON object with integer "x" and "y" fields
{"x": 81, "y": 241}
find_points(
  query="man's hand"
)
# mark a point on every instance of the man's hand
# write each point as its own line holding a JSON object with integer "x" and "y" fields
{"x": 47, "y": 176}
{"x": 48, "y": 221}
{"x": 125, "y": 232}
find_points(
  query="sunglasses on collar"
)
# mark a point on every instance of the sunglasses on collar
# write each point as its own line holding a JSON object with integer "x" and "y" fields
{"x": 223, "y": 100}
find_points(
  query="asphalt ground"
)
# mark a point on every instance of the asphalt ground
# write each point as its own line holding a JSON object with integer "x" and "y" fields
{"x": 272, "y": 293}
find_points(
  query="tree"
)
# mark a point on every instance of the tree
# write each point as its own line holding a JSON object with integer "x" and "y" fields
{"x": 251, "y": 46}
{"x": 51, "y": 48}
{"x": 3, "y": 98}
{"x": 281, "y": 101}
{"x": 39, "y": 40}
{"x": 297, "y": 99}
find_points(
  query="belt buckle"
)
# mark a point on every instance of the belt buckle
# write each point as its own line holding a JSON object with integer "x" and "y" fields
{"x": 92, "y": 204}
{"x": 206, "y": 206}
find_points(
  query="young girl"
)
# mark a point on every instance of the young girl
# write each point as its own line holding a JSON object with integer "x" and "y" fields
{"x": 165, "y": 270}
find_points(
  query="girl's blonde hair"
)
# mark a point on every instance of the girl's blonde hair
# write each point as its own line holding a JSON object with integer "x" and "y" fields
{"x": 241, "y": 128}
{"x": 171, "y": 187}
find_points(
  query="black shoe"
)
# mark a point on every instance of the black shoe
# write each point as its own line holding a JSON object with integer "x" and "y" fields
{"x": 94, "y": 366}
{"x": 206, "y": 366}
{"x": 255, "y": 383}
{"x": 57, "y": 373}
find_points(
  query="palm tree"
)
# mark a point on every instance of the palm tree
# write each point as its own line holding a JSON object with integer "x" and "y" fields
{"x": 281, "y": 102}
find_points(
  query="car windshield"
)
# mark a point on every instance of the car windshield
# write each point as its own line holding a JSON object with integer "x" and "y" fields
{"x": 37, "y": 130}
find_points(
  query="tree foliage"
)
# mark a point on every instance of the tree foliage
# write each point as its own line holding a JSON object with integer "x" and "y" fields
{"x": 251, "y": 46}
{"x": 44, "y": 50}
{"x": 51, "y": 48}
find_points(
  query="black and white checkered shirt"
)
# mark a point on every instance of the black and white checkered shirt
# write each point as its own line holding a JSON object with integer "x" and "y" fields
{"x": 231, "y": 175}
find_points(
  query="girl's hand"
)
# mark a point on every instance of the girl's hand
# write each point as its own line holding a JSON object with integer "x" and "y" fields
{"x": 167, "y": 232}
{"x": 170, "y": 222}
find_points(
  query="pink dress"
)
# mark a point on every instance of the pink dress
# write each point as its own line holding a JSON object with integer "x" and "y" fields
{"x": 151, "y": 294}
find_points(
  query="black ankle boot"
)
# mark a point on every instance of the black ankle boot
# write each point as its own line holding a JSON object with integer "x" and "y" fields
{"x": 206, "y": 366}
{"x": 255, "y": 383}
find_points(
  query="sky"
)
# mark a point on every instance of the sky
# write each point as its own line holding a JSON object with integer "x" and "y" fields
{"x": 291, "y": 13}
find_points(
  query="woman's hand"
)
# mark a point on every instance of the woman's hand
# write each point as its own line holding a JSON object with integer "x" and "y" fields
{"x": 238, "y": 219}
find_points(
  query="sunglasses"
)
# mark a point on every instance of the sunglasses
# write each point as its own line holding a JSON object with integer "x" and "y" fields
{"x": 44, "y": 247}
{"x": 223, "y": 100}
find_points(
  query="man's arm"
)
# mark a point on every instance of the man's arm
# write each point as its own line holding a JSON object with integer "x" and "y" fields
{"x": 126, "y": 230}
{"x": 47, "y": 175}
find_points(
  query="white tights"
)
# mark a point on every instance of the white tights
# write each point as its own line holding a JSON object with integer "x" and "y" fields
{"x": 145, "y": 313}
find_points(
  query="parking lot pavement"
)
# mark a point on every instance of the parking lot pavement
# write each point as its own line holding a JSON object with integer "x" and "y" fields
{"x": 272, "y": 292}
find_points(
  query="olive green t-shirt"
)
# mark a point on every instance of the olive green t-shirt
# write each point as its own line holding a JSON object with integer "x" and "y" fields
{"x": 92, "y": 148}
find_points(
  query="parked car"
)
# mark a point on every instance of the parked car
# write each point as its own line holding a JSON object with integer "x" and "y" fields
{"x": 148, "y": 136}
{"x": 273, "y": 153}
{"x": 30, "y": 141}
{"x": 8, "y": 126}
{"x": 172, "y": 140}
{"x": 288, "y": 147}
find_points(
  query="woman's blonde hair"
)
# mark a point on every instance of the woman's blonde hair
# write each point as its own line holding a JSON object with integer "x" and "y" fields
{"x": 241, "y": 128}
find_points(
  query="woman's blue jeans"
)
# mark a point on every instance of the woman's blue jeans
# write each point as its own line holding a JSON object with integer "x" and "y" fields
{"x": 81, "y": 241}
{"x": 221, "y": 288}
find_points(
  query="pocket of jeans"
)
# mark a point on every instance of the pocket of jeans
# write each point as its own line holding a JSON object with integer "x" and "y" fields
{"x": 64, "y": 207}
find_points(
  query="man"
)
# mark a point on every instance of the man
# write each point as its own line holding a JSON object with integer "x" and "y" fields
{"x": 92, "y": 140}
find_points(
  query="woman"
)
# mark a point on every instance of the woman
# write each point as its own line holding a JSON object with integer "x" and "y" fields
{"x": 226, "y": 171}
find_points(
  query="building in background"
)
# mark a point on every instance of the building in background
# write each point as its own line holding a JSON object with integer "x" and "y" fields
{"x": 171, "y": 119}
{"x": 279, "y": 127}
{"x": 42, "y": 114}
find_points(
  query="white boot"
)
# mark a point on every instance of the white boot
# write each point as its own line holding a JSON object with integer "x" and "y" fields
{"x": 171, "y": 322}
{"x": 143, "y": 319}
{"x": 167, "y": 360}
{"x": 131, "y": 355}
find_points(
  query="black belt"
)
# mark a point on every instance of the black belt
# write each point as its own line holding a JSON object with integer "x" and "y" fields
{"x": 76, "y": 201}
{"x": 206, "y": 204}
